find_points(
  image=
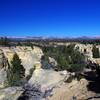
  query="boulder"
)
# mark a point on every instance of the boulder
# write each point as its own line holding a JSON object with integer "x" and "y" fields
{"x": 52, "y": 61}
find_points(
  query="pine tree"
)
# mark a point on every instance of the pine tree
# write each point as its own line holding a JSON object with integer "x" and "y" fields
{"x": 16, "y": 72}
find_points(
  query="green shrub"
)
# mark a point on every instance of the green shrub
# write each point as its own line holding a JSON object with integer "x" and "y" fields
{"x": 76, "y": 67}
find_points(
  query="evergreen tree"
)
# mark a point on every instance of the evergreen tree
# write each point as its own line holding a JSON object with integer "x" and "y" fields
{"x": 16, "y": 72}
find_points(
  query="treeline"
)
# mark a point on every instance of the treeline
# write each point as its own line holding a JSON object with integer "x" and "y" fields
{"x": 4, "y": 41}
{"x": 7, "y": 42}
{"x": 64, "y": 40}
{"x": 90, "y": 41}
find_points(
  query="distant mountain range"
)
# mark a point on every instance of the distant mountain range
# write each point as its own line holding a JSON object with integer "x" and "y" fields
{"x": 50, "y": 38}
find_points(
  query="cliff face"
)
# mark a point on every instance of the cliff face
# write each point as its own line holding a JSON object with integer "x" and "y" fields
{"x": 3, "y": 65}
{"x": 29, "y": 57}
{"x": 47, "y": 78}
{"x": 86, "y": 49}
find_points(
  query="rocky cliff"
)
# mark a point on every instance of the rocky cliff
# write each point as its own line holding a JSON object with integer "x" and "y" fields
{"x": 44, "y": 83}
{"x": 30, "y": 58}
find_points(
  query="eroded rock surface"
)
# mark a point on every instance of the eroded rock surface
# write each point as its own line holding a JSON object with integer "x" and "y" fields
{"x": 51, "y": 83}
{"x": 75, "y": 89}
{"x": 10, "y": 93}
{"x": 46, "y": 78}
{"x": 3, "y": 65}
{"x": 29, "y": 57}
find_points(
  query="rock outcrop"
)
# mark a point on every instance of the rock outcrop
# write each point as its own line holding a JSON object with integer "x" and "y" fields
{"x": 44, "y": 83}
{"x": 86, "y": 49}
{"x": 46, "y": 78}
{"x": 29, "y": 57}
{"x": 3, "y": 66}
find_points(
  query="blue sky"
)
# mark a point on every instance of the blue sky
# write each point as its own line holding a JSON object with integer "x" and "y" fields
{"x": 57, "y": 18}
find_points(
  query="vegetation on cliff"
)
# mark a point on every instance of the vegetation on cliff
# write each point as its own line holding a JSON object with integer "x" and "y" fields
{"x": 16, "y": 72}
{"x": 67, "y": 57}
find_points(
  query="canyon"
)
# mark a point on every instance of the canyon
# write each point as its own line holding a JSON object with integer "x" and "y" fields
{"x": 51, "y": 82}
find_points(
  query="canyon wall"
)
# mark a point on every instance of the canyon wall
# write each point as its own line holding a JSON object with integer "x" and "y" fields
{"x": 30, "y": 58}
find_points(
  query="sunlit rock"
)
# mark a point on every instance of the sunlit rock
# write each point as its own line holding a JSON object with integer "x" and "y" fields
{"x": 10, "y": 93}
{"x": 29, "y": 57}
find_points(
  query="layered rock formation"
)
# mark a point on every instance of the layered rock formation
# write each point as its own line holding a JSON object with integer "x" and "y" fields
{"x": 3, "y": 66}
{"x": 48, "y": 79}
{"x": 86, "y": 49}
{"x": 29, "y": 57}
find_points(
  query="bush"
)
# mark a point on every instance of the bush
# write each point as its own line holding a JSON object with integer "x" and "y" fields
{"x": 76, "y": 67}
